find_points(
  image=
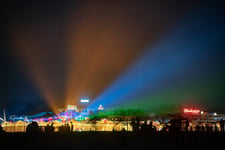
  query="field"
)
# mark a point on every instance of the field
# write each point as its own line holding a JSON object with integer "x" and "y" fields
{"x": 113, "y": 140}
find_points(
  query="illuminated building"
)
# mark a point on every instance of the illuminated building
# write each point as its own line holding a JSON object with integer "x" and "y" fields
{"x": 100, "y": 107}
{"x": 72, "y": 107}
{"x": 60, "y": 109}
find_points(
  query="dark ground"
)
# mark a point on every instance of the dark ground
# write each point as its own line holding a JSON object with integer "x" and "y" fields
{"x": 113, "y": 140}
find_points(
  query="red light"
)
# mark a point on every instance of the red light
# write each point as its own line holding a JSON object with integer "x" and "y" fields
{"x": 192, "y": 111}
{"x": 50, "y": 119}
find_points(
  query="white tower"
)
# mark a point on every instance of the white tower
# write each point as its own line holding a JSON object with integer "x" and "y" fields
{"x": 4, "y": 115}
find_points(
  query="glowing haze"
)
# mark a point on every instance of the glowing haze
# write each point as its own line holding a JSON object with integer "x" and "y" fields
{"x": 103, "y": 39}
{"x": 86, "y": 49}
{"x": 177, "y": 70}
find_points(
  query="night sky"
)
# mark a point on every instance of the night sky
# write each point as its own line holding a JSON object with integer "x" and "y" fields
{"x": 54, "y": 53}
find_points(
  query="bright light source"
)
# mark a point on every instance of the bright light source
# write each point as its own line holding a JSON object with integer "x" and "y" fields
{"x": 84, "y": 100}
{"x": 215, "y": 114}
{"x": 202, "y": 112}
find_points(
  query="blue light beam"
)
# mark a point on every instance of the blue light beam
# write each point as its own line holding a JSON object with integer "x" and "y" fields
{"x": 180, "y": 55}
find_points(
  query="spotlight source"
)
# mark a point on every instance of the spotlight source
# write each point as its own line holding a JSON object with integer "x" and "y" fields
{"x": 84, "y": 100}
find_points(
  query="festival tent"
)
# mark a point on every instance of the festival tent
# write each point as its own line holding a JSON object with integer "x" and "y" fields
{"x": 42, "y": 123}
{"x": 20, "y": 126}
{"x": 8, "y": 126}
{"x": 74, "y": 121}
{"x": 57, "y": 123}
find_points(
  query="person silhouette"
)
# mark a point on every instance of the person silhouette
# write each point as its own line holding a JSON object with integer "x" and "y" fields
{"x": 222, "y": 125}
{"x": 186, "y": 125}
{"x": 1, "y": 129}
{"x": 47, "y": 129}
{"x": 71, "y": 128}
{"x": 133, "y": 124}
{"x": 215, "y": 128}
{"x": 202, "y": 128}
{"x": 33, "y": 129}
{"x": 150, "y": 127}
{"x": 144, "y": 127}
{"x": 197, "y": 128}
{"x": 52, "y": 128}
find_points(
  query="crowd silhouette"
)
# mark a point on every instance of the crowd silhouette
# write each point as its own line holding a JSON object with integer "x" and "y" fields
{"x": 143, "y": 127}
{"x": 66, "y": 128}
{"x": 174, "y": 133}
{"x": 34, "y": 129}
{"x": 1, "y": 130}
{"x": 175, "y": 126}
{"x": 49, "y": 128}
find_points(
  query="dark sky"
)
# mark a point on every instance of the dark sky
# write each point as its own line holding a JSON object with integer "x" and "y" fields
{"x": 53, "y": 53}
